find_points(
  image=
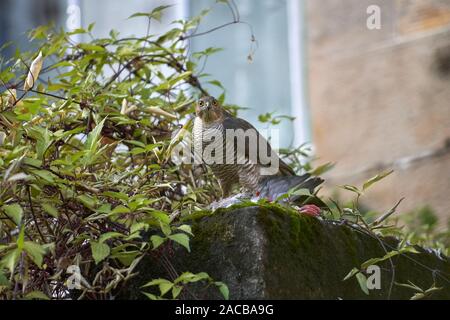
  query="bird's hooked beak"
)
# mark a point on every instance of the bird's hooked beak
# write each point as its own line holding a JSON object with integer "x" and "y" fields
{"x": 207, "y": 106}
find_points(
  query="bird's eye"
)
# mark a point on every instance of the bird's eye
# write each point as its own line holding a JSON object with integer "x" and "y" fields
{"x": 201, "y": 103}
{"x": 214, "y": 102}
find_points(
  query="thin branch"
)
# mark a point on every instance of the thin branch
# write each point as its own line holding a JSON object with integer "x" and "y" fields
{"x": 388, "y": 214}
{"x": 236, "y": 10}
{"x": 7, "y": 88}
{"x": 30, "y": 202}
{"x": 21, "y": 269}
{"x": 209, "y": 31}
{"x": 25, "y": 91}
{"x": 146, "y": 34}
{"x": 232, "y": 11}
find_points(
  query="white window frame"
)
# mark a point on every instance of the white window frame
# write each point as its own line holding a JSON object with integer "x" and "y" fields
{"x": 298, "y": 71}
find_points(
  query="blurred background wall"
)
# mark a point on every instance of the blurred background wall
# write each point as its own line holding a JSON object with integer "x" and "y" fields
{"x": 380, "y": 99}
{"x": 368, "y": 100}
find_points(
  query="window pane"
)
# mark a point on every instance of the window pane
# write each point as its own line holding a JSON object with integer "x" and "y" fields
{"x": 263, "y": 84}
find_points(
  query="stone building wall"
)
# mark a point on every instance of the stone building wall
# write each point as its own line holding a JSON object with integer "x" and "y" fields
{"x": 380, "y": 99}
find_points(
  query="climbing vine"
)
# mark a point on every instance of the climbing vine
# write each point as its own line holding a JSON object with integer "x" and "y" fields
{"x": 85, "y": 168}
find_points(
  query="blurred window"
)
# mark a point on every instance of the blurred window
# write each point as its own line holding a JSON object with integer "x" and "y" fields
{"x": 273, "y": 81}
{"x": 19, "y": 16}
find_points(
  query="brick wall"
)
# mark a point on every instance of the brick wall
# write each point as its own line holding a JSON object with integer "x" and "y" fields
{"x": 380, "y": 99}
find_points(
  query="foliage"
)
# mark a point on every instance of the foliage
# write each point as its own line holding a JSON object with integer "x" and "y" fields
{"x": 415, "y": 233}
{"x": 85, "y": 167}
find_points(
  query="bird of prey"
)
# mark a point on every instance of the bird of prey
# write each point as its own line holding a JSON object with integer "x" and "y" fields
{"x": 224, "y": 143}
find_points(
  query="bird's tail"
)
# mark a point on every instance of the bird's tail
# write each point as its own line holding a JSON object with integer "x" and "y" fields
{"x": 306, "y": 182}
{"x": 275, "y": 186}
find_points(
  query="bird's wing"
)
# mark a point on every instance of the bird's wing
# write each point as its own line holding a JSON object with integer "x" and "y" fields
{"x": 234, "y": 123}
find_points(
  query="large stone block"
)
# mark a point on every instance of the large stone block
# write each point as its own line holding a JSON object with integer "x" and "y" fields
{"x": 379, "y": 98}
{"x": 339, "y": 28}
{"x": 421, "y": 183}
{"x": 269, "y": 253}
{"x": 379, "y": 106}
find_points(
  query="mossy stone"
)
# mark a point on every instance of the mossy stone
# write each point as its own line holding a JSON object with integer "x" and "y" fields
{"x": 271, "y": 252}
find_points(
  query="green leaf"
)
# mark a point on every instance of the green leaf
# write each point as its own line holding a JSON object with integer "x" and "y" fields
{"x": 21, "y": 238}
{"x": 388, "y": 255}
{"x": 139, "y": 14}
{"x": 50, "y": 209}
{"x": 157, "y": 241}
{"x": 418, "y": 296}
{"x": 188, "y": 277}
{"x": 186, "y": 228}
{"x": 352, "y": 189}
{"x": 116, "y": 195}
{"x": 35, "y": 251}
{"x": 165, "y": 228}
{"x": 223, "y": 288}
{"x": 38, "y": 295}
{"x": 216, "y": 83}
{"x": 138, "y": 226}
{"x": 76, "y": 31}
{"x": 409, "y": 249}
{"x": 14, "y": 211}
{"x": 43, "y": 139}
{"x": 265, "y": 117}
{"x": 120, "y": 209}
{"x": 4, "y": 282}
{"x": 409, "y": 285}
{"x": 322, "y": 169}
{"x": 126, "y": 257}
{"x": 207, "y": 52}
{"x": 370, "y": 262}
{"x": 156, "y": 282}
{"x": 109, "y": 235}
{"x": 99, "y": 251}
{"x": 161, "y": 216}
{"x": 91, "y": 47}
{"x": 94, "y": 137}
{"x": 351, "y": 274}
{"x": 176, "y": 291}
{"x": 182, "y": 239}
{"x": 91, "y": 26}
{"x": 362, "y": 280}
{"x": 87, "y": 201}
{"x": 164, "y": 287}
{"x": 27, "y": 109}
{"x": 155, "y": 13}
{"x": 137, "y": 150}
{"x": 9, "y": 261}
{"x": 433, "y": 289}
{"x": 377, "y": 178}
{"x": 47, "y": 176}
{"x": 151, "y": 296}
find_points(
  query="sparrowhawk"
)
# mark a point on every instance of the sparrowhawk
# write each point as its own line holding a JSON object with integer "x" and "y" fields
{"x": 225, "y": 144}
